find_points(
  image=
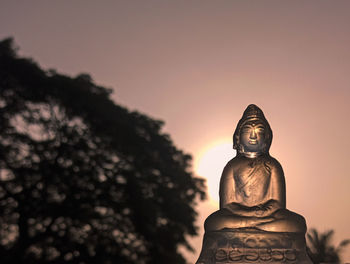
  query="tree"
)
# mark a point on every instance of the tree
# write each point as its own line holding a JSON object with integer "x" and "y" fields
{"x": 83, "y": 180}
{"x": 320, "y": 248}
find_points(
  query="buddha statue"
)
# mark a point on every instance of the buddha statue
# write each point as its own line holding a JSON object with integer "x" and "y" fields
{"x": 253, "y": 224}
{"x": 252, "y": 186}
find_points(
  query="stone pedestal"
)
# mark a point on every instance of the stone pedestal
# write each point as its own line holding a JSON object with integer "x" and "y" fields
{"x": 250, "y": 245}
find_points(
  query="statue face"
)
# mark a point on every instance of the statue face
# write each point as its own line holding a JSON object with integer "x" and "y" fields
{"x": 252, "y": 136}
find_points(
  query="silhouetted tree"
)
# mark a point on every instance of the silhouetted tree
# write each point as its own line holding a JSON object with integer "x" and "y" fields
{"x": 83, "y": 180}
{"x": 320, "y": 248}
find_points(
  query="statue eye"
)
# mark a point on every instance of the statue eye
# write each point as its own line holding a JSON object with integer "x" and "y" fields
{"x": 260, "y": 128}
{"x": 246, "y": 129}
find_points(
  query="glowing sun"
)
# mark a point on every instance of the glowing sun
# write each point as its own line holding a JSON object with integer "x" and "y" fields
{"x": 210, "y": 164}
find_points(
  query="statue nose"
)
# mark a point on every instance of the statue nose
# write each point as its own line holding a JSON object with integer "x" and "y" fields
{"x": 253, "y": 134}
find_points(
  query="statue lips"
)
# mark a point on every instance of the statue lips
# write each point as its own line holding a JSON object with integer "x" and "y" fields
{"x": 253, "y": 142}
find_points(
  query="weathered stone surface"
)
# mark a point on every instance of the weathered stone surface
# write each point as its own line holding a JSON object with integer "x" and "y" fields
{"x": 252, "y": 246}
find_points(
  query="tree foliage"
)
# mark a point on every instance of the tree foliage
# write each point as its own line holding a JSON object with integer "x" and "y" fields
{"x": 320, "y": 248}
{"x": 83, "y": 180}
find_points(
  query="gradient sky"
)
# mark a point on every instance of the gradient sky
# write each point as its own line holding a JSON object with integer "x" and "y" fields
{"x": 198, "y": 64}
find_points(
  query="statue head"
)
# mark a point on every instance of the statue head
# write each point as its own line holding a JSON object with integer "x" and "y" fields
{"x": 253, "y": 133}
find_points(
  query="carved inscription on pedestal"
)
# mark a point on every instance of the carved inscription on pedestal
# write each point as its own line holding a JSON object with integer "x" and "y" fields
{"x": 254, "y": 248}
{"x": 252, "y": 254}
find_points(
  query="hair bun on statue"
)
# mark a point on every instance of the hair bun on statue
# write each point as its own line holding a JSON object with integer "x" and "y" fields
{"x": 252, "y": 111}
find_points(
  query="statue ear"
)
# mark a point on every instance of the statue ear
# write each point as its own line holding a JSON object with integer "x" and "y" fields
{"x": 239, "y": 145}
{"x": 265, "y": 147}
{"x": 241, "y": 148}
{"x": 235, "y": 141}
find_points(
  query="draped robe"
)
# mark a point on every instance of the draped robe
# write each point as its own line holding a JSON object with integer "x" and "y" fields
{"x": 252, "y": 184}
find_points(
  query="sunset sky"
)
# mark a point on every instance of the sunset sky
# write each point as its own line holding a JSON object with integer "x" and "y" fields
{"x": 198, "y": 64}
